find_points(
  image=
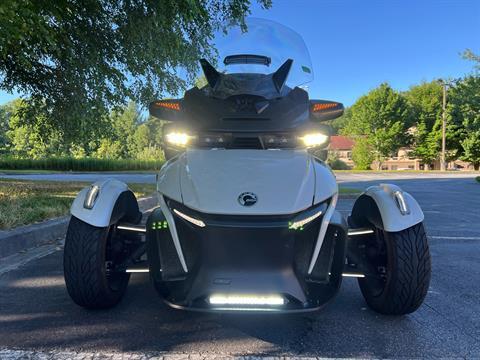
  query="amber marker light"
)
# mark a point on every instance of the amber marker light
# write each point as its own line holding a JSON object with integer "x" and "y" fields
{"x": 168, "y": 105}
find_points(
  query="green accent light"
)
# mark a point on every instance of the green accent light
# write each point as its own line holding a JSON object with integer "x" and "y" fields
{"x": 159, "y": 225}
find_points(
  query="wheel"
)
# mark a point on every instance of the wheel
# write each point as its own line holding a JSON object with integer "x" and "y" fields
{"x": 90, "y": 255}
{"x": 399, "y": 270}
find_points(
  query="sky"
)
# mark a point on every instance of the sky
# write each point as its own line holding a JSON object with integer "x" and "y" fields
{"x": 357, "y": 44}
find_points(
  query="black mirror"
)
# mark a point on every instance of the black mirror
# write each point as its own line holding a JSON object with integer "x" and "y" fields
{"x": 323, "y": 110}
{"x": 168, "y": 110}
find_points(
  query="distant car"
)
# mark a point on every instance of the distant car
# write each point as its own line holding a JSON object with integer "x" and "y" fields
{"x": 246, "y": 218}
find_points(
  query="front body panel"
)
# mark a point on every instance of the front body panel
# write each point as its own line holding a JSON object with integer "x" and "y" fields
{"x": 211, "y": 181}
{"x": 245, "y": 255}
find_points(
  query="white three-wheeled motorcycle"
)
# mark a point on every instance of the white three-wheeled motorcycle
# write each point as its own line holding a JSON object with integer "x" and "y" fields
{"x": 246, "y": 217}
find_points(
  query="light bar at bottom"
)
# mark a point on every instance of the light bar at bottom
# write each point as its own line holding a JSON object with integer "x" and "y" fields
{"x": 243, "y": 299}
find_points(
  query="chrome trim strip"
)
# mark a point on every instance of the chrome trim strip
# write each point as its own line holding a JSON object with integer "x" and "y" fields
{"x": 322, "y": 232}
{"x": 173, "y": 230}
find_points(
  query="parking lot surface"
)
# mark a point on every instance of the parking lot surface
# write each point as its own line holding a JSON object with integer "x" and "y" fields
{"x": 37, "y": 314}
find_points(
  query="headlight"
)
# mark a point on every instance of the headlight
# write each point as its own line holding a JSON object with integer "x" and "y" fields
{"x": 178, "y": 138}
{"x": 314, "y": 139}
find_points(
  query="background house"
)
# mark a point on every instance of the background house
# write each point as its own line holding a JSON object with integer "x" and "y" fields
{"x": 341, "y": 147}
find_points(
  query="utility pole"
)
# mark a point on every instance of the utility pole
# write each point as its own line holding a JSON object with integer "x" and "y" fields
{"x": 443, "y": 164}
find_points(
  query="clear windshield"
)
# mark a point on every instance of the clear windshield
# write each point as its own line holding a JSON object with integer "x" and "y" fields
{"x": 267, "y": 39}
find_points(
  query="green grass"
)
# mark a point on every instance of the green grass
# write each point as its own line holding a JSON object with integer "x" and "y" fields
{"x": 25, "y": 202}
{"x": 348, "y": 191}
{"x": 72, "y": 164}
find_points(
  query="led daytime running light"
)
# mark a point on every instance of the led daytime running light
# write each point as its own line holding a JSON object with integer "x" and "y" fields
{"x": 194, "y": 221}
{"x": 300, "y": 223}
{"x": 226, "y": 299}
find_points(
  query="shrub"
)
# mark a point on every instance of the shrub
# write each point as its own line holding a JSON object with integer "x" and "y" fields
{"x": 362, "y": 154}
{"x": 338, "y": 165}
{"x": 478, "y": 179}
{"x": 82, "y": 164}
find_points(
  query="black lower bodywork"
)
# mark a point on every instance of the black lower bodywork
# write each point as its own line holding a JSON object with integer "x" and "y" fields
{"x": 245, "y": 254}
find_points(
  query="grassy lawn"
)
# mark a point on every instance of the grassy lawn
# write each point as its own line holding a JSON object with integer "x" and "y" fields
{"x": 25, "y": 202}
{"x": 83, "y": 164}
{"x": 33, "y": 171}
{"x": 348, "y": 191}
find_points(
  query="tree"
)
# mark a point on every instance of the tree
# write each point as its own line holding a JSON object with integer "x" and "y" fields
{"x": 426, "y": 102}
{"x": 3, "y": 129}
{"x": 471, "y": 56}
{"x": 109, "y": 149}
{"x": 338, "y": 124}
{"x": 35, "y": 139}
{"x": 464, "y": 116}
{"x": 77, "y": 59}
{"x": 362, "y": 154}
{"x": 382, "y": 117}
{"x": 124, "y": 124}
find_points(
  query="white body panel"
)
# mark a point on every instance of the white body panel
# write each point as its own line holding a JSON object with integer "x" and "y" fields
{"x": 168, "y": 180}
{"x": 393, "y": 220}
{"x": 210, "y": 181}
{"x": 325, "y": 182}
{"x": 101, "y": 212}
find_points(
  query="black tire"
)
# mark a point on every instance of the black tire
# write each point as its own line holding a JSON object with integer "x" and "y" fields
{"x": 89, "y": 284}
{"x": 402, "y": 285}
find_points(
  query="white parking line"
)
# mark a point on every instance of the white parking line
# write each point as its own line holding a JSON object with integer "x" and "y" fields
{"x": 455, "y": 237}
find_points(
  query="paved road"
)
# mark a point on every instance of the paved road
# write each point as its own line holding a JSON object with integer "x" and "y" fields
{"x": 36, "y": 313}
{"x": 150, "y": 177}
{"x": 140, "y": 178}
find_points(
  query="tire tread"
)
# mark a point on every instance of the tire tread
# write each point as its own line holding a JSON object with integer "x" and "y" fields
{"x": 84, "y": 266}
{"x": 410, "y": 273}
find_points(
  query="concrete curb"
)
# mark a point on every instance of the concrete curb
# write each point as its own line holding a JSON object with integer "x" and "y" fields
{"x": 30, "y": 236}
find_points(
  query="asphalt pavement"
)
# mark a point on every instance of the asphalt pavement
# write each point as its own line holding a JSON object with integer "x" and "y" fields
{"x": 36, "y": 313}
{"x": 131, "y": 177}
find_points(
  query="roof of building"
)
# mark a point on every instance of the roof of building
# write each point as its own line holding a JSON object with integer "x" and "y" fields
{"x": 338, "y": 142}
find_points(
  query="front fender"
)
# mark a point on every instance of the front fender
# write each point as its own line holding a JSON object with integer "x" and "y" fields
{"x": 378, "y": 205}
{"x": 115, "y": 201}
